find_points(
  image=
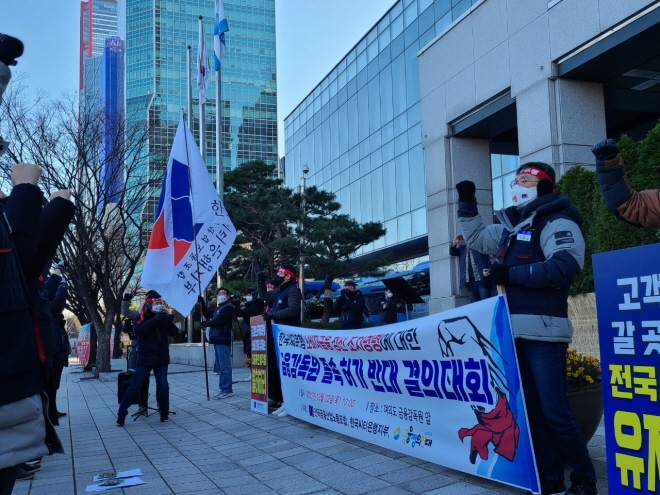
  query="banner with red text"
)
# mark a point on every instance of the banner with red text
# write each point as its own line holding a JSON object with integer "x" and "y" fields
{"x": 445, "y": 388}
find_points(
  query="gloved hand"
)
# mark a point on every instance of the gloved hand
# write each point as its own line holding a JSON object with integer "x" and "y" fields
{"x": 466, "y": 191}
{"x": 267, "y": 317}
{"x": 204, "y": 324}
{"x": 163, "y": 316}
{"x": 499, "y": 274}
{"x": 605, "y": 150}
{"x": 62, "y": 265}
{"x": 261, "y": 276}
{"x": 127, "y": 296}
{"x": 200, "y": 300}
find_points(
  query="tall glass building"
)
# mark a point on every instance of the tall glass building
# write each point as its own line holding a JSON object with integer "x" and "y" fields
{"x": 158, "y": 32}
{"x": 359, "y": 129}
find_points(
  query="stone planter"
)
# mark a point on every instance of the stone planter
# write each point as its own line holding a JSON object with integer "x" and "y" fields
{"x": 587, "y": 407}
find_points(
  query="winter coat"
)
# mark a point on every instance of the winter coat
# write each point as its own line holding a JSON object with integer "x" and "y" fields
{"x": 286, "y": 304}
{"x": 352, "y": 309}
{"x": 153, "y": 339}
{"x": 543, "y": 247}
{"x": 638, "y": 208}
{"x": 24, "y": 432}
{"x": 220, "y": 324}
{"x": 481, "y": 261}
{"x": 387, "y": 310}
{"x": 252, "y": 308}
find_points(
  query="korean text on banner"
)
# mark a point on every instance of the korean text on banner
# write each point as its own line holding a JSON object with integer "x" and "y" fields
{"x": 627, "y": 297}
{"x": 192, "y": 232}
{"x": 445, "y": 388}
{"x": 258, "y": 369}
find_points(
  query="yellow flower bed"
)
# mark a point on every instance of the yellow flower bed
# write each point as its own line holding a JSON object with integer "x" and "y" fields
{"x": 581, "y": 370}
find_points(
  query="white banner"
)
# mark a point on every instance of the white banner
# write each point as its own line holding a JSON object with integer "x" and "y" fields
{"x": 445, "y": 388}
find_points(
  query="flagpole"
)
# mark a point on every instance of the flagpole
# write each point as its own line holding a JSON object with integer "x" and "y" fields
{"x": 202, "y": 114}
{"x": 199, "y": 282}
{"x": 219, "y": 168}
{"x": 189, "y": 78}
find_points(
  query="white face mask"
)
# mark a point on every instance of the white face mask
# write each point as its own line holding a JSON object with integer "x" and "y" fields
{"x": 388, "y": 295}
{"x": 248, "y": 298}
{"x": 522, "y": 195}
{"x": 222, "y": 299}
{"x": 157, "y": 308}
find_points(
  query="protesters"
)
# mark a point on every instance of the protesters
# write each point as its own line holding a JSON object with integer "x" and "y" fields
{"x": 220, "y": 335}
{"x": 57, "y": 292}
{"x": 638, "y": 208}
{"x": 285, "y": 310}
{"x": 350, "y": 304}
{"x": 153, "y": 328}
{"x": 471, "y": 266}
{"x": 253, "y": 306}
{"x": 539, "y": 249}
{"x": 25, "y": 430}
{"x": 130, "y": 315}
{"x": 388, "y": 308}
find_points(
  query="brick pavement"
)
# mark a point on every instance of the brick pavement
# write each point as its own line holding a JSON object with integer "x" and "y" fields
{"x": 220, "y": 447}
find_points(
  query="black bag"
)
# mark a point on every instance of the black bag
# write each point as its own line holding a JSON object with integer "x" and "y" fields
{"x": 123, "y": 382}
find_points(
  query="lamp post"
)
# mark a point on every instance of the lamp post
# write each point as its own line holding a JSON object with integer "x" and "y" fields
{"x": 305, "y": 170}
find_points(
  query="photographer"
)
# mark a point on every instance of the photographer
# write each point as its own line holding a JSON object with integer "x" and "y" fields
{"x": 220, "y": 335}
{"x": 153, "y": 328}
{"x": 129, "y": 315}
{"x": 351, "y": 304}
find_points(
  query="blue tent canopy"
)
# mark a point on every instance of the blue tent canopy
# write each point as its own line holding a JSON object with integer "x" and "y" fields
{"x": 312, "y": 285}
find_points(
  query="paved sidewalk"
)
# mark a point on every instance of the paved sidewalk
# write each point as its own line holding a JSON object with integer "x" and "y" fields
{"x": 220, "y": 447}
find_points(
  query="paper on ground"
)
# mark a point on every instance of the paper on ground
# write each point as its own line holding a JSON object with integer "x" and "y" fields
{"x": 106, "y": 475}
{"x": 117, "y": 483}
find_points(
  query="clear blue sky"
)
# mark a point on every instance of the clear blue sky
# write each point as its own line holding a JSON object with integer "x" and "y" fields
{"x": 312, "y": 36}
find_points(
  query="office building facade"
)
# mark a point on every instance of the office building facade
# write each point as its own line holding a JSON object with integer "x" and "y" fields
{"x": 513, "y": 81}
{"x": 158, "y": 32}
{"x": 98, "y": 21}
{"x": 359, "y": 130}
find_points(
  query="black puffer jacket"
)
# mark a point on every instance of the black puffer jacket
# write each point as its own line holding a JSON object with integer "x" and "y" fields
{"x": 153, "y": 339}
{"x": 351, "y": 305}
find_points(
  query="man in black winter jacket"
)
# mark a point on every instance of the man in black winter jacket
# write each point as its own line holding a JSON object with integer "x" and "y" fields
{"x": 351, "y": 304}
{"x": 153, "y": 328}
{"x": 220, "y": 335}
{"x": 253, "y": 306}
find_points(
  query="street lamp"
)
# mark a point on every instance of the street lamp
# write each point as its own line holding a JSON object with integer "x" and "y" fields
{"x": 305, "y": 171}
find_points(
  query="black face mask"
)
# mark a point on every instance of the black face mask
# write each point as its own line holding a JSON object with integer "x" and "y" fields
{"x": 278, "y": 280}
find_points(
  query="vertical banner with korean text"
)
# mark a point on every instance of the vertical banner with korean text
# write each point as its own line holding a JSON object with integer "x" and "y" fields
{"x": 444, "y": 388}
{"x": 627, "y": 297}
{"x": 83, "y": 344}
{"x": 259, "y": 381}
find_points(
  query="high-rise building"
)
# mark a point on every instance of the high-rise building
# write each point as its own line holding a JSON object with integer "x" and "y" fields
{"x": 158, "y": 33}
{"x": 98, "y": 21}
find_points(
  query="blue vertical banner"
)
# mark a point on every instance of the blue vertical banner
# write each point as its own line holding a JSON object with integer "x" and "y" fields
{"x": 627, "y": 304}
{"x": 445, "y": 388}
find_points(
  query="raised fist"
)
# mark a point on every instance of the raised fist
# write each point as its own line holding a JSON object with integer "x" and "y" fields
{"x": 605, "y": 150}
{"x": 467, "y": 191}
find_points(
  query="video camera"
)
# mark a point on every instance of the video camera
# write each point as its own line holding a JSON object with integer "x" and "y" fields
{"x": 127, "y": 328}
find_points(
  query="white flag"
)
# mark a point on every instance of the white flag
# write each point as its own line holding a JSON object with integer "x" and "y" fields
{"x": 219, "y": 29}
{"x": 203, "y": 73}
{"x": 192, "y": 232}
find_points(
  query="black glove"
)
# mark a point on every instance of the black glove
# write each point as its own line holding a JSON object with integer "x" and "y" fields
{"x": 127, "y": 296}
{"x": 204, "y": 324}
{"x": 10, "y": 49}
{"x": 499, "y": 274}
{"x": 605, "y": 150}
{"x": 267, "y": 317}
{"x": 162, "y": 316}
{"x": 466, "y": 191}
{"x": 261, "y": 276}
{"x": 200, "y": 300}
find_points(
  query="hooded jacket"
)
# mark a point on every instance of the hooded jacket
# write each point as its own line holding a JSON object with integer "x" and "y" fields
{"x": 153, "y": 338}
{"x": 543, "y": 247}
{"x": 352, "y": 309}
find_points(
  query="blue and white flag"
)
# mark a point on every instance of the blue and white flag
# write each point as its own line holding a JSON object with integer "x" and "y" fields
{"x": 203, "y": 74}
{"x": 192, "y": 232}
{"x": 219, "y": 30}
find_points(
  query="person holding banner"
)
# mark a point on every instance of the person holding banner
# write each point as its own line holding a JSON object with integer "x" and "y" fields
{"x": 539, "y": 249}
{"x": 153, "y": 328}
{"x": 638, "y": 208}
{"x": 285, "y": 310}
{"x": 220, "y": 335}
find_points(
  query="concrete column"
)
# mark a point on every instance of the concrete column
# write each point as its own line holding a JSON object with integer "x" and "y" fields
{"x": 449, "y": 161}
{"x": 559, "y": 121}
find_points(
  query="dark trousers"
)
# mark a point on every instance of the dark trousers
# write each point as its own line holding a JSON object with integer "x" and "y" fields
{"x": 477, "y": 291}
{"x": 7, "y": 479}
{"x": 247, "y": 337}
{"x": 555, "y": 433}
{"x": 162, "y": 389}
{"x": 51, "y": 391}
{"x": 274, "y": 382}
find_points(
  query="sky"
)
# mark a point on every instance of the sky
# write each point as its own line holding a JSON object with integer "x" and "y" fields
{"x": 312, "y": 37}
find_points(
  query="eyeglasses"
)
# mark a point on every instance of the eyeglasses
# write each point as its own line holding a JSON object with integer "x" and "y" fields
{"x": 523, "y": 181}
